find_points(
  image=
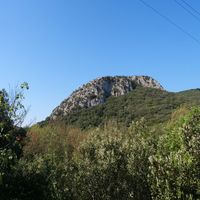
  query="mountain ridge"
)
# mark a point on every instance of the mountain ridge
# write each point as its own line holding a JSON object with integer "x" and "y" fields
{"x": 97, "y": 91}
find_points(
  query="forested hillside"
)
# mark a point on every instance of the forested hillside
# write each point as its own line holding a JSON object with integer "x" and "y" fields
{"x": 155, "y": 105}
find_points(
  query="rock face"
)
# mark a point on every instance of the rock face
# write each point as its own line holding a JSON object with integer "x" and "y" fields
{"x": 97, "y": 91}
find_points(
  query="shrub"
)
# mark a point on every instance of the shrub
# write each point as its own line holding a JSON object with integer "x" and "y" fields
{"x": 175, "y": 168}
{"x": 113, "y": 163}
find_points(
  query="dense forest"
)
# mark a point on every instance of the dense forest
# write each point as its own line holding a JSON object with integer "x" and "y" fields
{"x": 150, "y": 154}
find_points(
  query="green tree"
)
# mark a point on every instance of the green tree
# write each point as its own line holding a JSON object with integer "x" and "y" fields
{"x": 12, "y": 113}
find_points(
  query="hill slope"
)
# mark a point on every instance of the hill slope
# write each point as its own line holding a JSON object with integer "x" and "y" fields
{"x": 99, "y": 90}
{"x": 123, "y": 99}
{"x": 154, "y": 105}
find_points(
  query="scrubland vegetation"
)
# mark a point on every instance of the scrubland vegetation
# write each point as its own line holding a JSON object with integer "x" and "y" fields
{"x": 153, "y": 104}
{"x": 138, "y": 160}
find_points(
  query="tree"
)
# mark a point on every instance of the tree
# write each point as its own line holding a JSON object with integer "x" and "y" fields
{"x": 12, "y": 113}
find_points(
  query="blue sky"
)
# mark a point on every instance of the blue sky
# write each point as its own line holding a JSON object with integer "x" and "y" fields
{"x": 58, "y": 45}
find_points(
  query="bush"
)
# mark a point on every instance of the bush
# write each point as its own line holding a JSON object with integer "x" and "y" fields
{"x": 175, "y": 168}
{"x": 113, "y": 163}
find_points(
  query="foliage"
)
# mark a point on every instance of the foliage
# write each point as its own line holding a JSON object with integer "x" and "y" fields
{"x": 107, "y": 163}
{"x": 110, "y": 160}
{"x": 58, "y": 139}
{"x": 154, "y": 105}
{"x": 175, "y": 168}
{"x": 11, "y": 115}
{"x": 116, "y": 162}
{"x": 141, "y": 160}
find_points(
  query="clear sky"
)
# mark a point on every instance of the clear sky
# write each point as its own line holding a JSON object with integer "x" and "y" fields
{"x": 58, "y": 45}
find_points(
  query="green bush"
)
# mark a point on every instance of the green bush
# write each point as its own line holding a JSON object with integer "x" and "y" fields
{"x": 175, "y": 168}
{"x": 113, "y": 163}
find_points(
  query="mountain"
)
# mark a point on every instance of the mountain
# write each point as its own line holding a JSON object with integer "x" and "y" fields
{"x": 99, "y": 90}
{"x": 123, "y": 99}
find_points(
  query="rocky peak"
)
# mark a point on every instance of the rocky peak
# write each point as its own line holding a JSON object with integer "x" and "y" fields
{"x": 97, "y": 91}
